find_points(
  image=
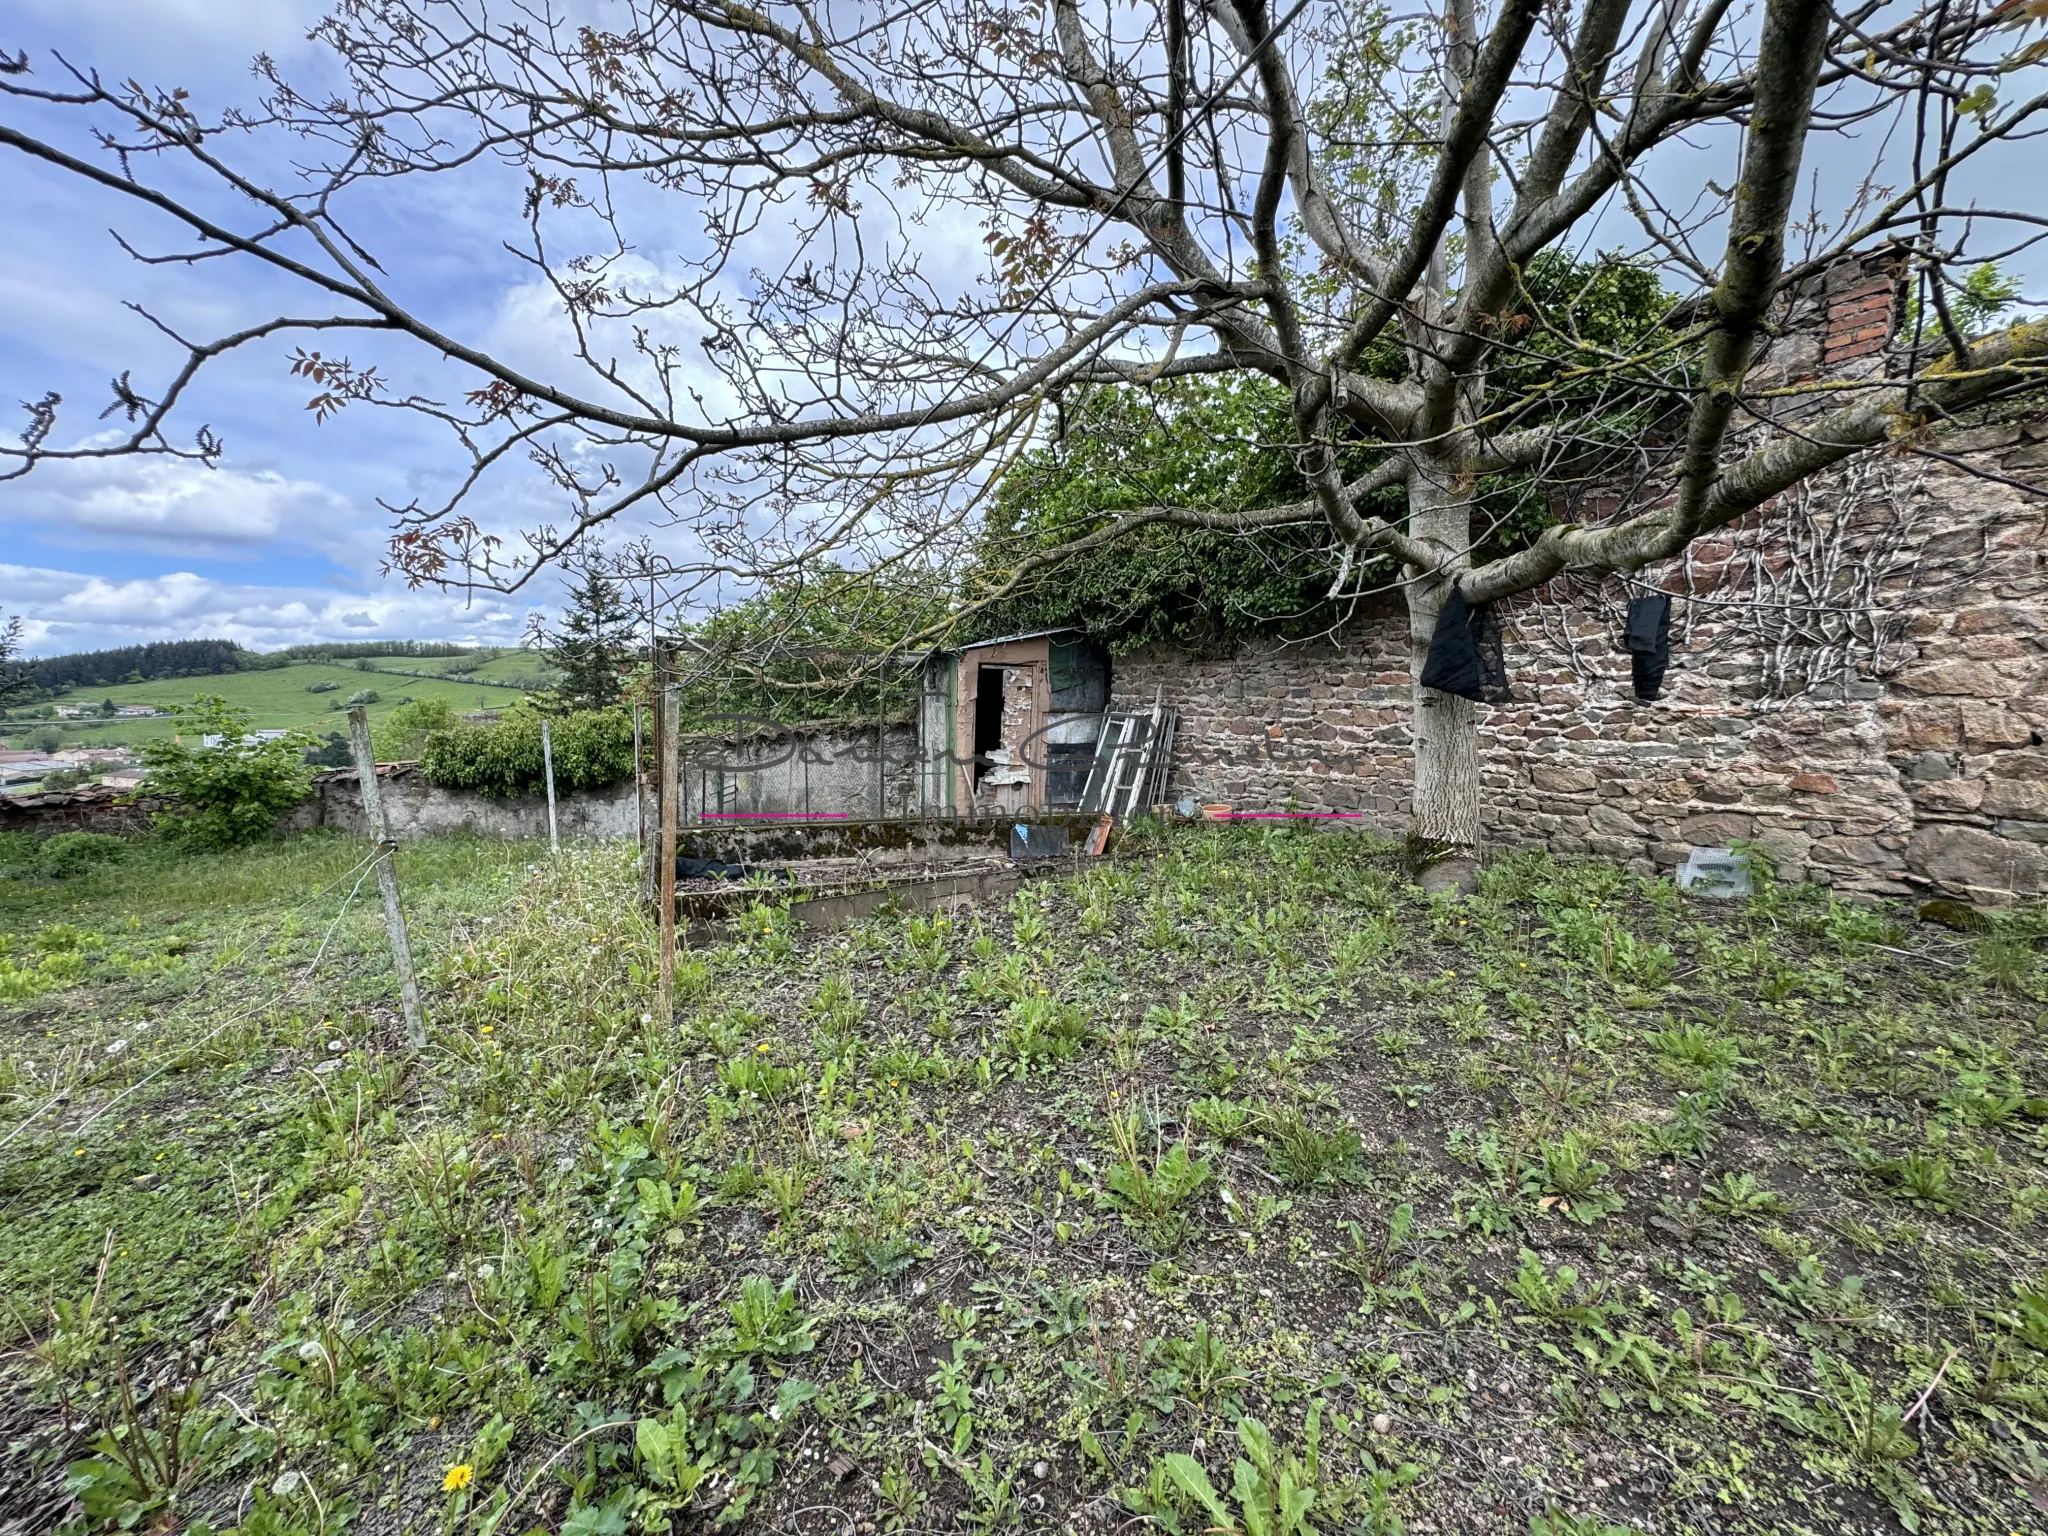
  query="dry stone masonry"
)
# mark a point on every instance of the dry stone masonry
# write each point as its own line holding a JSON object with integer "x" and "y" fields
{"x": 1859, "y": 681}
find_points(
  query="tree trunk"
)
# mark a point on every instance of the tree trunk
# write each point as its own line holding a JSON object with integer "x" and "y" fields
{"x": 1443, "y": 823}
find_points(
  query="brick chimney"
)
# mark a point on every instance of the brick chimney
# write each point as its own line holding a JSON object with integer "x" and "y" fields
{"x": 1861, "y": 300}
{"x": 1839, "y": 320}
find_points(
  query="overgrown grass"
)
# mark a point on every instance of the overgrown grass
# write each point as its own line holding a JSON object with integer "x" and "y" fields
{"x": 1233, "y": 1186}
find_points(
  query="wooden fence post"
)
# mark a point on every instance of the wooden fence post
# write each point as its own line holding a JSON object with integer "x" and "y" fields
{"x": 547, "y": 764}
{"x": 387, "y": 879}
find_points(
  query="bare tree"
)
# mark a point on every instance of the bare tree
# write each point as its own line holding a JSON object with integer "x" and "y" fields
{"x": 1341, "y": 201}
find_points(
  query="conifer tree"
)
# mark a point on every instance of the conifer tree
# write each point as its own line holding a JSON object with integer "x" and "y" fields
{"x": 17, "y": 682}
{"x": 592, "y": 649}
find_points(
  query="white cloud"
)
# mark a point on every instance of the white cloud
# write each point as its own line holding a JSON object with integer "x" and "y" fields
{"x": 68, "y": 611}
{"x": 218, "y": 36}
{"x": 179, "y": 508}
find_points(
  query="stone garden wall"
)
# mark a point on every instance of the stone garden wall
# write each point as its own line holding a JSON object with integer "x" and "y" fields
{"x": 778, "y": 771}
{"x": 1867, "y": 699}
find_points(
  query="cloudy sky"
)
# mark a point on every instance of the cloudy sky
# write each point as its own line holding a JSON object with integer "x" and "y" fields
{"x": 282, "y": 543}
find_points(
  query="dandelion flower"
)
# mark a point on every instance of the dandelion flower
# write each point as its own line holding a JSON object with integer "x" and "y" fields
{"x": 761, "y": 1049}
{"x": 458, "y": 1477}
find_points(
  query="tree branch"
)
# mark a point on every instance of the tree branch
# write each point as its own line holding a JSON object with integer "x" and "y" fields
{"x": 1999, "y": 364}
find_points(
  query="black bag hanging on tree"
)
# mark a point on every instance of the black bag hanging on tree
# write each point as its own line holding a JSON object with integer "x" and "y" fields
{"x": 1465, "y": 653}
{"x": 1647, "y": 639}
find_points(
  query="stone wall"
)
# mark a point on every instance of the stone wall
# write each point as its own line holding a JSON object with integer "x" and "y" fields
{"x": 89, "y": 808}
{"x": 775, "y": 772}
{"x": 416, "y": 808}
{"x": 826, "y": 770}
{"x": 823, "y": 770}
{"x": 1866, "y": 697}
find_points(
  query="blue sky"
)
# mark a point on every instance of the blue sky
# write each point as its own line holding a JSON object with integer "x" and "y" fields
{"x": 282, "y": 543}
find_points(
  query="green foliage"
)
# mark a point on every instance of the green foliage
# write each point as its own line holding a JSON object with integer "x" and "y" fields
{"x": 1739, "y": 1194}
{"x": 17, "y": 677}
{"x": 767, "y": 1319}
{"x": 356, "y": 650}
{"x": 592, "y": 649}
{"x": 1043, "y": 1029}
{"x": 1558, "y": 1522}
{"x": 330, "y": 749}
{"x": 1371, "y": 1257}
{"x": 1272, "y": 1490}
{"x": 1849, "y": 1414}
{"x": 2006, "y": 957}
{"x": 297, "y": 695}
{"x": 1571, "y": 312}
{"x": 1919, "y": 1178}
{"x": 1227, "y": 445}
{"x": 1975, "y": 301}
{"x": 1150, "y": 1190}
{"x": 1224, "y": 1119}
{"x": 1984, "y": 294}
{"x": 228, "y": 795}
{"x": 401, "y": 736}
{"x": 1565, "y": 1178}
{"x": 1555, "y": 1297}
{"x": 592, "y": 749}
{"x": 1218, "y": 446}
{"x": 1304, "y": 1154}
{"x": 66, "y": 778}
{"x": 808, "y": 648}
{"x": 722, "y": 1420}
{"x": 69, "y": 854}
{"x": 136, "y": 663}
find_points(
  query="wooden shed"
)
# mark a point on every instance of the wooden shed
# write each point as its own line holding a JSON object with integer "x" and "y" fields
{"x": 1010, "y": 725}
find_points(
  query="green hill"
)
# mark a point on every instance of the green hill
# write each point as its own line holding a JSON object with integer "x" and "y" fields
{"x": 282, "y": 697}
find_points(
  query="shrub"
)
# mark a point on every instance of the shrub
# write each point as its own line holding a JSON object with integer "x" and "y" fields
{"x": 77, "y": 853}
{"x": 592, "y": 748}
{"x": 231, "y": 794}
{"x": 67, "y": 778}
{"x": 364, "y": 696}
{"x": 47, "y": 739}
{"x": 402, "y": 734}
{"x": 17, "y": 850}
{"x": 330, "y": 750}
{"x": 327, "y": 687}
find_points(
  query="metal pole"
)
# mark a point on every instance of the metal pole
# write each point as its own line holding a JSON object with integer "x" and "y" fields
{"x": 667, "y": 746}
{"x": 639, "y": 788}
{"x": 547, "y": 764}
{"x": 387, "y": 878}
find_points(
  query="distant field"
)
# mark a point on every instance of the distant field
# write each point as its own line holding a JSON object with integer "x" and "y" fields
{"x": 507, "y": 666}
{"x": 279, "y": 699}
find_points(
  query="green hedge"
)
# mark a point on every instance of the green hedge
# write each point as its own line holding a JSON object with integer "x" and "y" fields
{"x": 593, "y": 748}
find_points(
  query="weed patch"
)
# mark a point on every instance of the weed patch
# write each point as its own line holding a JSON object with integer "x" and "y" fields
{"x": 1236, "y": 1186}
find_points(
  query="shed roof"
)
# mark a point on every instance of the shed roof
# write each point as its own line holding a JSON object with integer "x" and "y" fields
{"x": 1035, "y": 634}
